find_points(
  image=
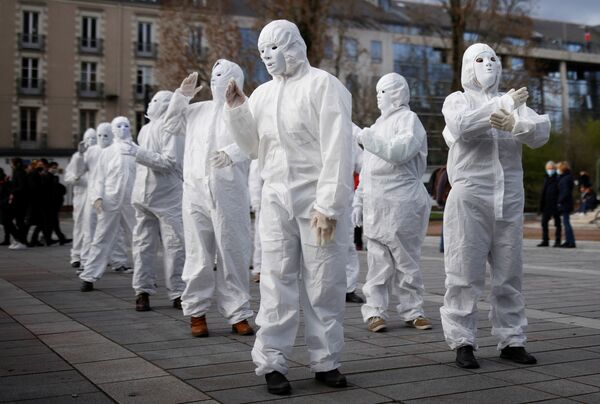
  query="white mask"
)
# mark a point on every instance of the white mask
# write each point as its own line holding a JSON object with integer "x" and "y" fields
{"x": 218, "y": 83}
{"x": 121, "y": 129}
{"x": 384, "y": 101}
{"x": 550, "y": 172}
{"x": 486, "y": 69}
{"x": 273, "y": 58}
{"x": 158, "y": 104}
{"x": 105, "y": 135}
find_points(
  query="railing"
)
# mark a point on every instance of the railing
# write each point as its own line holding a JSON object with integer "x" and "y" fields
{"x": 146, "y": 50}
{"x": 32, "y": 42}
{"x": 90, "y": 89}
{"x": 31, "y": 86}
{"x": 90, "y": 46}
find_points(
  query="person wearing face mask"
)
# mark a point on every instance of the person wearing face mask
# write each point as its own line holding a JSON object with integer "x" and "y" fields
{"x": 299, "y": 127}
{"x": 215, "y": 205}
{"x": 483, "y": 217}
{"x": 549, "y": 205}
{"x": 111, "y": 193}
{"x": 157, "y": 201}
{"x": 393, "y": 206}
{"x": 77, "y": 178}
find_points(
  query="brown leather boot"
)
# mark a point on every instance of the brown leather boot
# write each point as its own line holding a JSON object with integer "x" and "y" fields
{"x": 199, "y": 327}
{"x": 242, "y": 328}
{"x": 142, "y": 302}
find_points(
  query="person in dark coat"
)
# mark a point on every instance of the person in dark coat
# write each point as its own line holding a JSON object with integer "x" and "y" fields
{"x": 589, "y": 199}
{"x": 56, "y": 202}
{"x": 40, "y": 184}
{"x": 5, "y": 217}
{"x": 549, "y": 205}
{"x": 565, "y": 201}
{"x": 18, "y": 204}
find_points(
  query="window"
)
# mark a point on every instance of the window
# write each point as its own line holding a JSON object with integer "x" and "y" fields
{"x": 87, "y": 119}
{"x": 517, "y": 63}
{"x": 143, "y": 78}
{"x": 28, "y": 124}
{"x": 31, "y": 26}
{"x": 384, "y": 4}
{"x": 89, "y": 32}
{"x": 195, "y": 40}
{"x": 140, "y": 120}
{"x": 328, "y": 48}
{"x": 258, "y": 72}
{"x": 30, "y": 73}
{"x": 376, "y": 56}
{"x": 89, "y": 76}
{"x": 351, "y": 48}
{"x": 471, "y": 36}
{"x": 144, "y": 36}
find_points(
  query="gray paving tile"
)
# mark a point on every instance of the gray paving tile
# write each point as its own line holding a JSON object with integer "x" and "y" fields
{"x": 192, "y": 351}
{"x": 46, "y": 362}
{"x": 160, "y": 390}
{"x": 56, "y": 327}
{"x": 93, "y": 352}
{"x": 220, "y": 369}
{"x": 570, "y": 369}
{"x": 412, "y": 374}
{"x": 520, "y": 376}
{"x": 593, "y": 398}
{"x": 85, "y": 398}
{"x": 354, "y": 396}
{"x": 593, "y": 380}
{"x": 563, "y": 388}
{"x": 119, "y": 370}
{"x": 512, "y": 394}
{"x": 42, "y": 385}
{"x": 181, "y": 362}
{"x": 68, "y": 339}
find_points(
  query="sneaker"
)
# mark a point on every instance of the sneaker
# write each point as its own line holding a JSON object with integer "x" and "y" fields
{"x": 543, "y": 244}
{"x": 376, "y": 324}
{"x": 352, "y": 297}
{"x": 278, "y": 384}
{"x": 242, "y": 328}
{"x": 465, "y": 357}
{"x": 332, "y": 378}
{"x": 177, "y": 303}
{"x": 142, "y": 302}
{"x": 517, "y": 354}
{"x": 17, "y": 246}
{"x": 65, "y": 241}
{"x": 86, "y": 286}
{"x": 567, "y": 245}
{"x": 75, "y": 264}
{"x": 420, "y": 323}
{"x": 199, "y": 326}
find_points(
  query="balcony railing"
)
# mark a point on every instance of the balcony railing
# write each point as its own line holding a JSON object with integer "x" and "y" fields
{"x": 31, "y": 87}
{"x": 146, "y": 50}
{"x": 90, "y": 46}
{"x": 90, "y": 89}
{"x": 32, "y": 41}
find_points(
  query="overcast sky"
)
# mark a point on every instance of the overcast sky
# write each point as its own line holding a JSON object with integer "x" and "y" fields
{"x": 585, "y": 12}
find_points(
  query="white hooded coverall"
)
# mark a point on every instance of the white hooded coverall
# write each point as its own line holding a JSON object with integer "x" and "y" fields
{"x": 216, "y": 219}
{"x": 483, "y": 217}
{"x": 156, "y": 197}
{"x": 255, "y": 184}
{"x": 395, "y": 205}
{"x": 76, "y": 176}
{"x": 113, "y": 184}
{"x": 299, "y": 127}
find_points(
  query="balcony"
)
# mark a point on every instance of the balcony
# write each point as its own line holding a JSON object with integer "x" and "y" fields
{"x": 146, "y": 50}
{"x": 143, "y": 92}
{"x": 31, "y": 87}
{"x": 32, "y": 42}
{"x": 90, "y": 46}
{"x": 90, "y": 89}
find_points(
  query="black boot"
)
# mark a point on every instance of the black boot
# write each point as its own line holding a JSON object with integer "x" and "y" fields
{"x": 517, "y": 354}
{"x": 352, "y": 297}
{"x": 332, "y": 378}
{"x": 75, "y": 264}
{"x": 142, "y": 302}
{"x": 177, "y": 303}
{"x": 465, "y": 358}
{"x": 278, "y": 384}
{"x": 543, "y": 244}
{"x": 86, "y": 286}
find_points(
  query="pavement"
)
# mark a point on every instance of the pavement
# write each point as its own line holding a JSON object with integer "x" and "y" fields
{"x": 58, "y": 345}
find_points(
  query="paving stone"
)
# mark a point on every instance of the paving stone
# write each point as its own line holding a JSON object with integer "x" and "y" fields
{"x": 570, "y": 369}
{"x": 43, "y": 385}
{"x": 512, "y": 394}
{"x": 520, "y": 376}
{"x": 68, "y": 339}
{"x": 191, "y": 351}
{"x": 93, "y": 352}
{"x": 85, "y": 398}
{"x": 11, "y": 332}
{"x": 160, "y": 390}
{"x": 354, "y": 396}
{"x": 225, "y": 382}
{"x": 220, "y": 369}
{"x": 55, "y": 328}
{"x": 181, "y": 362}
{"x": 563, "y": 388}
{"x": 17, "y": 365}
{"x": 119, "y": 370}
{"x": 593, "y": 398}
{"x": 412, "y": 374}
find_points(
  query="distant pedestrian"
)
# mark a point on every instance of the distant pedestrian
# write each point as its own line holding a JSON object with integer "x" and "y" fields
{"x": 588, "y": 201}
{"x": 18, "y": 202}
{"x": 565, "y": 201}
{"x": 584, "y": 179}
{"x": 549, "y": 205}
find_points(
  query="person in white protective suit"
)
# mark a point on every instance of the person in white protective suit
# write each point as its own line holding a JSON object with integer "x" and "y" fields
{"x": 156, "y": 198}
{"x": 111, "y": 193}
{"x": 298, "y": 125}
{"x": 76, "y": 176}
{"x": 255, "y": 184}
{"x": 393, "y": 206}
{"x": 483, "y": 217}
{"x": 215, "y": 205}
{"x": 352, "y": 265}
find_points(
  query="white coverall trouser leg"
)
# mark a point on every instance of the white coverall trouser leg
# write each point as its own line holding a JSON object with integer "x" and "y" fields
{"x": 150, "y": 230}
{"x": 296, "y": 272}
{"x": 78, "y": 226}
{"x": 257, "y": 253}
{"x": 105, "y": 238}
{"x": 90, "y": 219}
{"x": 473, "y": 236}
{"x": 352, "y": 267}
{"x": 394, "y": 270}
{"x": 209, "y": 232}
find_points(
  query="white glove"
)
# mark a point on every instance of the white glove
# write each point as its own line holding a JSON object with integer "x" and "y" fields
{"x": 519, "y": 97}
{"x": 220, "y": 159}
{"x": 255, "y": 206}
{"x": 324, "y": 227}
{"x": 357, "y": 216}
{"x": 366, "y": 132}
{"x": 234, "y": 96}
{"x": 128, "y": 148}
{"x": 502, "y": 120}
{"x": 98, "y": 206}
{"x": 188, "y": 86}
